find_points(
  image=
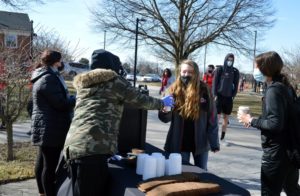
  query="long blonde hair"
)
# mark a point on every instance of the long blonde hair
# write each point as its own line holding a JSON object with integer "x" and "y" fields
{"x": 187, "y": 98}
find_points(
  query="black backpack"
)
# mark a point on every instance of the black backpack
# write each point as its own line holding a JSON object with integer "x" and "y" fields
{"x": 293, "y": 130}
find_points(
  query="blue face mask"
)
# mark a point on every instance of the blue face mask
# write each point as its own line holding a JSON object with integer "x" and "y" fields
{"x": 258, "y": 76}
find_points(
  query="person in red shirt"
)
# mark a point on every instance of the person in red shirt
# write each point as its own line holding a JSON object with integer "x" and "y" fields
{"x": 166, "y": 80}
{"x": 208, "y": 77}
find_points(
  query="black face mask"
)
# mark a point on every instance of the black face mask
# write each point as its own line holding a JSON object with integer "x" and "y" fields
{"x": 210, "y": 71}
{"x": 61, "y": 67}
{"x": 185, "y": 79}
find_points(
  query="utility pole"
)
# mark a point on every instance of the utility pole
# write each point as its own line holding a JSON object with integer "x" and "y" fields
{"x": 104, "y": 42}
{"x": 254, "y": 54}
{"x": 136, "y": 48}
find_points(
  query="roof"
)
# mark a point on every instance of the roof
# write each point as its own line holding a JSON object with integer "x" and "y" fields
{"x": 14, "y": 21}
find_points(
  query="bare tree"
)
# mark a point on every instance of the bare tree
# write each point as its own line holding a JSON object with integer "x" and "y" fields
{"x": 291, "y": 58}
{"x": 20, "y": 4}
{"x": 175, "y": 29}
{"x": 15, "y": 92}
{"x": 51, "y": 39}
{"x": 15, "y": 73}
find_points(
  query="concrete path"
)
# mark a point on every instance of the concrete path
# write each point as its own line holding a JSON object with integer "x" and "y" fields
{"x": 238, "y": 163}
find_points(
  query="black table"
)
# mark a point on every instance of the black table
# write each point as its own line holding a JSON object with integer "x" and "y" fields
{"x": 124, "y": 179}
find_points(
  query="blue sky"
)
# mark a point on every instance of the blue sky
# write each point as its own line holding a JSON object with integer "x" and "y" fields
{"x": 71, "y": 20}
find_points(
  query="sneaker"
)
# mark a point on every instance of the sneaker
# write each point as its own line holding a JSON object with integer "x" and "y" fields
{"x": 224, "y": 143}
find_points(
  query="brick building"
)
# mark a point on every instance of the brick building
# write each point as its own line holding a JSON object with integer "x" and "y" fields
{"x": 16, "y": 33}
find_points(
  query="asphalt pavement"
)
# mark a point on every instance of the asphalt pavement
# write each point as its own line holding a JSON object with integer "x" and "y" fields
{"x": 238, "y": 163}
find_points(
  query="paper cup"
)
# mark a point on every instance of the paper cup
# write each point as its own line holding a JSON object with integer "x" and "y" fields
{"x": 244, "y": 110}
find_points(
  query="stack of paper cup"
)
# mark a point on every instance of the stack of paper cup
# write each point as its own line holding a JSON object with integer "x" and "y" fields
{"x": 149, "y": 167}
{"x": 140, "y": 163}
{"x": 175, "y": 165}
{"x": 243, "y": 110}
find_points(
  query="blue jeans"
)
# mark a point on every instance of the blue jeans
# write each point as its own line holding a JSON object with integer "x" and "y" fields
{"x": 200, "y": 159}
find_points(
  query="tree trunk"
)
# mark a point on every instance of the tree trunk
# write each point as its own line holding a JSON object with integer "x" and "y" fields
{"x": 10, "y": 142}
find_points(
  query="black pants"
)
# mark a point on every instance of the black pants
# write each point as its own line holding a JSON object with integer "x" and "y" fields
{"x": 90, "y": 176}
{"x": 278, "y": 173}
{"x": 45, "y": 167}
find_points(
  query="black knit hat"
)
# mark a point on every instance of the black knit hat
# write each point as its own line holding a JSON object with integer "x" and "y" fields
{"x": 106, "y": 60}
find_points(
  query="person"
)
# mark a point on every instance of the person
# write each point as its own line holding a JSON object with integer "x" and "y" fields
{"x": 92, "y": 138}
{"x": 277, "y": 172}
{"x": 208, "y": 77}
{"x": 225, "y": 87}
{"x": 194, "y": 124}
{"x": 50, "y": 118}
{"x": 166, "y": 81}
{"x": 242, "y": 84}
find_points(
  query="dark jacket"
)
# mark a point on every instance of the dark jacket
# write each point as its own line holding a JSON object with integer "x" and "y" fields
{"x": 274, "y": 115}
{"x": 51, "y": 109}
{"x": 206, "y": 127}
{"x": 226, "y": 80}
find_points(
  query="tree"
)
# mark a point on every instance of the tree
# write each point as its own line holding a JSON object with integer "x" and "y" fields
{"x": 291, "y": 60}
{"x": 50, "y": 39}
{"x": 15, "y": 73}
{"x": 175, "y": 29}
{"x": 19, "y": 4}
{"x": 15, "y": 91}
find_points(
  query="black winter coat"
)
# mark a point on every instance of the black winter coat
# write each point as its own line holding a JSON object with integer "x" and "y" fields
{"x": 272, "y": 122}
{"x": 51, "y": 115}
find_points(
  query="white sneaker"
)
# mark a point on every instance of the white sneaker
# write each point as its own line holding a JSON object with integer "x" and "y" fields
{"x": 224, "y": 143}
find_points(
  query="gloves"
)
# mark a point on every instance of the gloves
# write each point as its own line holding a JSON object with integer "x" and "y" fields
{"x": 168, "y": 100}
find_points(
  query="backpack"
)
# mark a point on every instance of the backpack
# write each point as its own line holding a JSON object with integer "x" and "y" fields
{"x": 293, "y": 130}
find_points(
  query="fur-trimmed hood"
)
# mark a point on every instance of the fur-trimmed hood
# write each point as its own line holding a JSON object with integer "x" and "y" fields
{"x": 93, "y": 77}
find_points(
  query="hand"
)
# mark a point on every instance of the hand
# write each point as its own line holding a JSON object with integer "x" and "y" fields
{"x": 214, "y": 150}
{"x": 245, "y": 119}
{"x": 168, "y": 100}
{"x": 166, "y": 109}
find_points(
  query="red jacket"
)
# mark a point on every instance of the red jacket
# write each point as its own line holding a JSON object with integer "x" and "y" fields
{"x": 208, "y": 79}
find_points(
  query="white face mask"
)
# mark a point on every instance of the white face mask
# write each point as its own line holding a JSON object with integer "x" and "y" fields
{"x": 229, "y": 63}
{"x": 258, "y": 76}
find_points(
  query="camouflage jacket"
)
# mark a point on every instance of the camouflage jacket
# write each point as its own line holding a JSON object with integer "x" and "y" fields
{"x": 101, "y": 95}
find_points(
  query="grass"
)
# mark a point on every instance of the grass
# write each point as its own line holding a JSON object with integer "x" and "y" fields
{"x": 22, "y": 167}
{"x": 251, "y": 100}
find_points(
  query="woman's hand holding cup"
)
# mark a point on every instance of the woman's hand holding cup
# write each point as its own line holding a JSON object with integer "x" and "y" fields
{"x": 244, "y": 116}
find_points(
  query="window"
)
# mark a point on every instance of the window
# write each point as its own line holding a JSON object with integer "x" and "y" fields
{"x": 11, "y": 41}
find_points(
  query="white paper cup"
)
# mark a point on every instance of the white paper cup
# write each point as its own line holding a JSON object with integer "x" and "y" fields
{"x": 140, "y": 163}
{"x": 244, "y": 110}
{"x": 149, "y": 168}
{"x": 175, "y": 164}
{"x": 160, "y": 165}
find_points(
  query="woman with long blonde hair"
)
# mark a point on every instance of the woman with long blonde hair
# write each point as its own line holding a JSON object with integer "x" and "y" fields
{"x": 194, "y": 125}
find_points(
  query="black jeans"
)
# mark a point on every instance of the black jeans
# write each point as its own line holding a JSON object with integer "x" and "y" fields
{"x": 45, "y": 167}
{"x": 278, "y": 173}
{"x": 90, "y": 176}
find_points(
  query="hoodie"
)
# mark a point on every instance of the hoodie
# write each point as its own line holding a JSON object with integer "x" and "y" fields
{"x": 226, "y": 79}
